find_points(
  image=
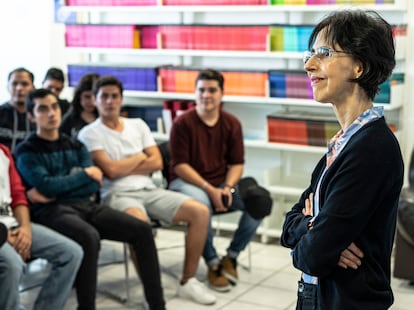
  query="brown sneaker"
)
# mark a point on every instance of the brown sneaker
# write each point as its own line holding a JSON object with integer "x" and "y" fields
{"x": 230, "y": 269}
{"x": 216, "y": 280}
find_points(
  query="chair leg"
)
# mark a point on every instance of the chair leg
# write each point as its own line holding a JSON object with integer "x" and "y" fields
{"x": 126, "y": 265}
{"x": 110, "y": 294}
{"x": 248, "y": 267}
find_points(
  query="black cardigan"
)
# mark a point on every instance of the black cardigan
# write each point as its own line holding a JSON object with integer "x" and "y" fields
{"x": 358, "y": 203}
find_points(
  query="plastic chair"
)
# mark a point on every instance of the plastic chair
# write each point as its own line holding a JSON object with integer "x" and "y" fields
{"x": 404, "y": 243}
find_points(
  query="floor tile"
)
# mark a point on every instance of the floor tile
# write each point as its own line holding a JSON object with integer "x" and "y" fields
{"x": 271, "y": 284}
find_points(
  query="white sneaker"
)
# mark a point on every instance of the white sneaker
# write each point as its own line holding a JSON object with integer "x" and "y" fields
{"x": 196, "y": 291}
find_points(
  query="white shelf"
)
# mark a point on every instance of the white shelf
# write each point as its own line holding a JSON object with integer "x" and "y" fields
{"x": 261, "y": 144}
{"x": 245, "y": 99}
{"x": 285, "y": 190}
{"x": 397, "y": 7}
{"x": 284, "y": 146}
{"x": 187, "y": 52}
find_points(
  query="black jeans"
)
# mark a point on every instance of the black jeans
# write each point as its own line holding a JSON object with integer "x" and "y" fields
{"x": 307, "y": 296}
{"x": 87, "y": 223}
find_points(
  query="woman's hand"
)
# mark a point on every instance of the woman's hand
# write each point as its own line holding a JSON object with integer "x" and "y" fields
{"x": 351, "y": 257}
{"x": 308, "y": 209}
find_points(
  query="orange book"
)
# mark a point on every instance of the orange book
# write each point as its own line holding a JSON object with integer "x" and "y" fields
{"x": 184, "y": 80}
{"x": 287, "y": 131}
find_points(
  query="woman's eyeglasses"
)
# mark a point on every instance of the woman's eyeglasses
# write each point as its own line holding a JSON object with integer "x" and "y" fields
{"x": 321, "y": 53}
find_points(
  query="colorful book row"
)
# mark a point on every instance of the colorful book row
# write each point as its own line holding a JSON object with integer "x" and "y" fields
{"x": 217, "y": 2}
{"x": 244, "y": 38}
{"x": 237, "y": 83}
{"x": 171, "y": 110}
{"x": 158, "y": 118}
{"x": 110, "y": 2}
{"x": 205, "y": 37}
{"x": 289, "y": 38}
{"x": 322, "y": 2}
{"x": 141, "y": 79}
{"x": 272, "y": 83}
{"x": 162, "y": 2}
{"x": 150, "y": 114}
{"x": 177, "y": 107}
{"x": 284, "y": 84}
{"x": 301, "y": 128}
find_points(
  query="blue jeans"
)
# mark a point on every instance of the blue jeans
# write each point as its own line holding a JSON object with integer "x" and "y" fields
{"x": 63, "y": 254}
{"x": 242, "y": 236}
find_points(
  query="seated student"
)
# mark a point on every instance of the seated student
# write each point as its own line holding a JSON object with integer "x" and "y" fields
{"x": 54, "y": 80}
{"x": 127, "y": 153}
{"x": 83, "y": 110}
{"x": 61, "y": 173}
{"x": 25, "y": 240}
{"x": 14, "y": 125}
{"x": 207, "y": 160}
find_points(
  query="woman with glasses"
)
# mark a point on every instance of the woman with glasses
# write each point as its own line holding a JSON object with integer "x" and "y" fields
{"x": 342, "y": 228}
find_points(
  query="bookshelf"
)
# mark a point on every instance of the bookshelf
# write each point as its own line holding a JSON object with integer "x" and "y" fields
{"x": 283, "y": 169}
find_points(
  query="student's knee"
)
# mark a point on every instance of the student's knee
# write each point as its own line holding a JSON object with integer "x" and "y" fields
{"x": 201, "y": 210}
{"x": 193, "y": 211}
{"x": 75, "y": 253}
{"x": 137, "y": 213}
{"x": 89, "y": 239}
{"x": 142, "y": 230}
{"x": 11, "y": 270}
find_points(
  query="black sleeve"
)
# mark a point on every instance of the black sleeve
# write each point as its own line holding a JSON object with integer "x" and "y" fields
{"x": 3, "y": 234}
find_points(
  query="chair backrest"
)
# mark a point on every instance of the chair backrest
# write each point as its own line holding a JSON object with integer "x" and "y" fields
{"x": 164, "y": 148}
{"x": 411, "y": 171}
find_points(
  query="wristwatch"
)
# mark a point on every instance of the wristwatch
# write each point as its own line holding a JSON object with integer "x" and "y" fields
{"x": 232, "y": 189}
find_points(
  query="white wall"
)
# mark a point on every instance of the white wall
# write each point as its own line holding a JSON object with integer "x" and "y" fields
{"x": 25, "y": 36}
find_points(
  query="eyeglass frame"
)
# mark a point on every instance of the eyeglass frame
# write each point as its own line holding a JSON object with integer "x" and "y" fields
{"x": 320, "y": 53}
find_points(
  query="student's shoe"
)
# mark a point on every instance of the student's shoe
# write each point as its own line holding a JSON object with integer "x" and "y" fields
{"x": 230, "y": 269}
{"x": 196, "y": 291}
{"x": 216, "y": 280}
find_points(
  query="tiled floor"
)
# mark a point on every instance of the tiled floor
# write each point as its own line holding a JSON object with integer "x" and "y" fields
{"x": 271, "y": 283}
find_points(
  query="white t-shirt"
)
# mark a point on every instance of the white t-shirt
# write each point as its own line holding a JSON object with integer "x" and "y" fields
{"x": 6, "y": 216}
{"x": 135, "y": 137}
{"x": 5, "y": 196}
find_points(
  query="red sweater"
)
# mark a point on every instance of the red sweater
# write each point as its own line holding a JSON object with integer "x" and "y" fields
{"x": 207, "y": 149}
{"x": 17, "y": 190}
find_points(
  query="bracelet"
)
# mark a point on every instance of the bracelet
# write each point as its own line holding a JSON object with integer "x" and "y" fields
{"x": 228, "y": 185}
{"x": 204, "y": 185}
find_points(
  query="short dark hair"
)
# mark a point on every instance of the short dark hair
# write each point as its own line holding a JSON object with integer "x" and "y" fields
{"x": 105, "y": 81}
{"x": 54, "y": 74}
{"x": 21, "y": 69}
{"x": 367, "y": 37}
{"x": 36, "y": 94}
{"x": 211, "y": 74}
{"x": 85, "y": 84}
